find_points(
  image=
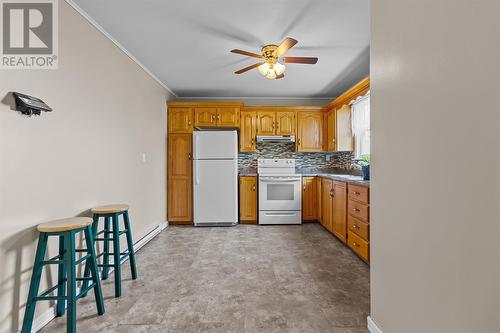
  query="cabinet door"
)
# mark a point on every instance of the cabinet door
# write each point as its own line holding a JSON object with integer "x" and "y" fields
{"x": 319, "y": 200}
{"x": 309, "y": 131}
{"x": 248, "y": 131}
{"x": 205, "y": 117}
{"x": 179, "y": 178}
{"x": 266, "y": 122}
{"x": 309, "y": 199}
{"x": 330, "y": 137}
{"x": 339, "y": 210}
{"x": 326, "y": 205}
{"x": 285, "y": 123}
{"x": 180, "y": 120}
{"x": 248, "y": 199}
{"x": 344, "y": 138}
{"x": 228, "y": 117}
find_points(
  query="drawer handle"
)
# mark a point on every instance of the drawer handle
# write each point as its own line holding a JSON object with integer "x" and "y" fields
{"x": 355, "y": 244}
{"x": 355, "y": 226}
{"x": 356, "y": 210}
{"x": 356, "y": 193}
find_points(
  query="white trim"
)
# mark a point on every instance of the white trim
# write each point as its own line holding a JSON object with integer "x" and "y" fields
{"x": 181, "y": 98}
{"x": 372, "y": 327}
{"x": 47, "y": 316}
{"x": 124, "y": 50}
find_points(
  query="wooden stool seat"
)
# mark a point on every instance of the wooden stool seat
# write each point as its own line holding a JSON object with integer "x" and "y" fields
{"x": 68, "y": 224}
{"x": 110, "y": 209}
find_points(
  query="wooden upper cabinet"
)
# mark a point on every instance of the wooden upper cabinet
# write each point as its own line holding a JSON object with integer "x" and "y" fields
{"x": 248, "y": 199}
{"x": 285, "y": 123}
{"x": 266, "y": 122}
{"x": 330, "y": 125}
{"x": 248, "y": 131}
{"x": 310, "y": 131}
{"x": 326, "y": 203}
{"x": 180, "y": 120}
{"x": 205, "y": 117}
{"x": 343, "y": 129}
{"x": 309, "y": 199}
{"x": 179, "y": 176}
{"x": 228, "y": 117}
{"x": 216, "y": 116}
{"x": 339, "y": 210}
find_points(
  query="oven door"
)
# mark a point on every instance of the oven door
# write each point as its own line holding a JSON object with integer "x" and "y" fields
{"x": 280, "y": 193}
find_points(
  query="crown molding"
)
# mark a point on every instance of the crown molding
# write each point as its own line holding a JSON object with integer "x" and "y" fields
{"x": 96, "y": 25}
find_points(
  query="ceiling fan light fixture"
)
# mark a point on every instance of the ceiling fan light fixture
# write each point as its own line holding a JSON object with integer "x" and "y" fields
{"x": 271, "y": 71}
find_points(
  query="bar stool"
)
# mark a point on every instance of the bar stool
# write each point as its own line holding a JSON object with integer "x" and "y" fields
{"x": 112, "y": 212}
{"x": 65, "y": 229}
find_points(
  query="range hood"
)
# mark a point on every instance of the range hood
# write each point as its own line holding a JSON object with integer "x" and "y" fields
{"x": 276, "y": 138}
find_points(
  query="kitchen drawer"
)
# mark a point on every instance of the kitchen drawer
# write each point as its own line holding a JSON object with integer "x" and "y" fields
{"x": 359, "y": 193}
{"x": 358, "y": 245}
{"x": 358, "y": 210}
{"x": 358, "y": 227}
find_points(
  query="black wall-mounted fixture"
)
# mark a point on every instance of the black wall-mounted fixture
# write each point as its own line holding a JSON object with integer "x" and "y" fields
{"x": 30, "y": 105}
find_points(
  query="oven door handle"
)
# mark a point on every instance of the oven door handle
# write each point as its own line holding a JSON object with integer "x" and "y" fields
{"x": 280, "y": 214}
{"x": 278, "y": 180}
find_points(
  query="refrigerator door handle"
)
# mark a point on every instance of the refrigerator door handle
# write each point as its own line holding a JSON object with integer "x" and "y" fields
{"x": 196, "y": 173}
{"x": 196, "y": 146}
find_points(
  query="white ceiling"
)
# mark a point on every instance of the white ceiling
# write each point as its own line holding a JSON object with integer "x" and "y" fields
{"x": 186, "y": 43}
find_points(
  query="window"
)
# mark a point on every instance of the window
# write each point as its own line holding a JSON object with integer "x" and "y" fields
{"x": 361, "y": 126}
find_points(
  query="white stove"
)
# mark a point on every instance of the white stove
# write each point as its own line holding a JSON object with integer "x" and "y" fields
{"x": 280, "y": 195}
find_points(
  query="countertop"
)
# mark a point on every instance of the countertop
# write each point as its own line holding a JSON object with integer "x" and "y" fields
{"x": 335, "y": 174}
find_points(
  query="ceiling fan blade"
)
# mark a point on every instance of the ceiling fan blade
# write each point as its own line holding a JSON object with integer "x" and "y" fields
{"x": 243, "y": 70}
{"x": 249, "y": 54}
{"x": 301, "y": 60}
{"x": 285, "y": 45}
{"x": 280, "y": 76}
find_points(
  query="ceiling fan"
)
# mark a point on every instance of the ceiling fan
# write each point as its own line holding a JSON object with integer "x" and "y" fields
{"x": 270, "y": 67}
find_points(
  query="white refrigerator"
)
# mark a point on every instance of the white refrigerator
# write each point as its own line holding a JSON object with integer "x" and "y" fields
{"x": 215, "y": 178}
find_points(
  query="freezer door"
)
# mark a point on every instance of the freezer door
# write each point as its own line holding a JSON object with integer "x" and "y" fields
{"x": 215, "y": 145}
{"x": 215, "y": 191}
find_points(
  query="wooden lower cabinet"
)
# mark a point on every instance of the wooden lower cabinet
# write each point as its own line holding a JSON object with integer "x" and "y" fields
{"x": 358, "y": 220}
{"x": 343, "y": 210}
{"x": 339, "y": 201}
{"x": 248, "y": 199}
{"x": 326, "y": 203}
{"x": 309, "y": 199}
{"x": 179, "y": 179}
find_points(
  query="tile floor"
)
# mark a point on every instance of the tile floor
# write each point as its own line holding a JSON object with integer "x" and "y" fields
{"x": 236, "y": 279}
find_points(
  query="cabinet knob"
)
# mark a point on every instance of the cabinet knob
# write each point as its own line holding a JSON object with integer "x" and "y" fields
{"x": 253, "y": 141}
{"x": 356, "y": 210}
{"x": 298, "y": 141}
{"x": 356, "y": 193}
{"x": 189, "y": 156}
{"x": 355, "y": 244}
{"x": 189, "y": 122}
{"x": 254, "y": 188}
{"x": 355, "y": 226}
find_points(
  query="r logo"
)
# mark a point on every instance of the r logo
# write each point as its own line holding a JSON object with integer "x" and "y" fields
{"x": 27, "y": 28}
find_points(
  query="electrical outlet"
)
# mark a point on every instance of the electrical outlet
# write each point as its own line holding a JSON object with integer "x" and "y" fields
{"x": 143, "y": 157}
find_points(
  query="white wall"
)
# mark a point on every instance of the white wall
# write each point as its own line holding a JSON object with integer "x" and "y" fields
{"x": 435, "y": 72}
{"x": 87, "y": 152}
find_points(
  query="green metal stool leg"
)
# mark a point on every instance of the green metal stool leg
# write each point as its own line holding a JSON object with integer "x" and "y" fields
{"x": 86, "y": 274}
{"x": 35, "y": 283}
{"x": 71, "y": 268}
{"x": 130, "y": 245}
{"x": 61, "y": 277}
{"x": 107, "y": 234}
{"x": 92, "y": 263}
{"x": 116, "y": 256}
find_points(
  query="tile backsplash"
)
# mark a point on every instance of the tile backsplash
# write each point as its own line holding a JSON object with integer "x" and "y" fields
{"x": 302, "y": 160}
